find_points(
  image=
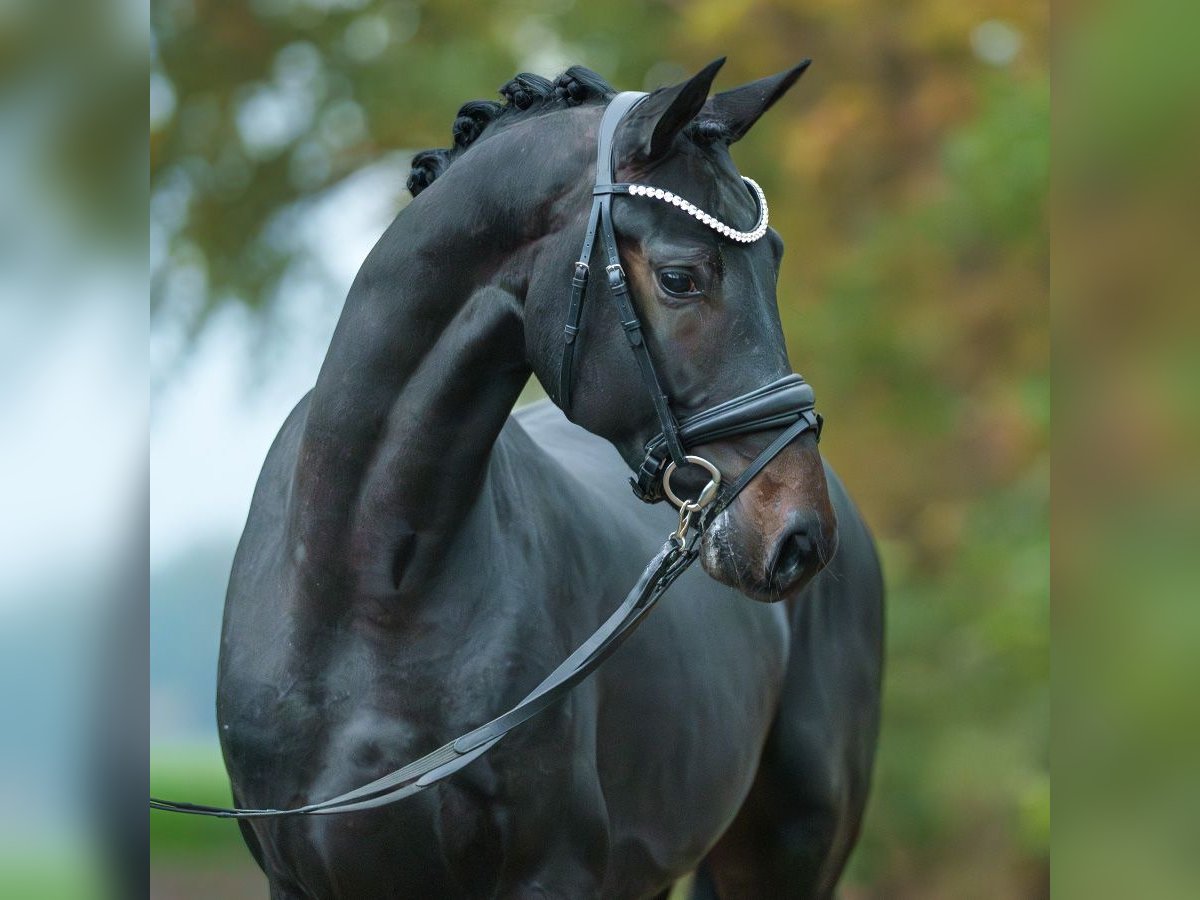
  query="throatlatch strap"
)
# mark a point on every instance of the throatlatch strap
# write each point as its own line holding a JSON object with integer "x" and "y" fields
{"x": 600, "y": 219}
{"x": 579, "y": 282}
{"x": 613, "y": 114}
{"x": 632, "y": 325}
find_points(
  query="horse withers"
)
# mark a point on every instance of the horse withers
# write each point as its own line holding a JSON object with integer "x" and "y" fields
{"x": 417, "y": 557}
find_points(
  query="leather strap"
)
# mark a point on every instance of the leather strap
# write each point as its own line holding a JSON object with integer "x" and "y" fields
{"x": 668, "y": 564}
{"x": 600, "y": 219}
{"x": 729, "y": 494}
{"x": 579, "y": 282}
{"x": 613, "y": 114}
{"x": 771, "y": 406}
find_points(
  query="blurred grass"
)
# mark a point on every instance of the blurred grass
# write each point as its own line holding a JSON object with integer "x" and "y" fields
{"x": 57, "y": 875}
{"x": 192, "y": 856}
{"x": 195, "y": 774}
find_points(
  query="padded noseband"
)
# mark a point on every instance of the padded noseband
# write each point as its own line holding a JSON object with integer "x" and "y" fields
{"x": 776, "y": 405}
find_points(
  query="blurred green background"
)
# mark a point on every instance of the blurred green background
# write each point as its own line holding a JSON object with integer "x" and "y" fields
{"x": 908, "y": 175}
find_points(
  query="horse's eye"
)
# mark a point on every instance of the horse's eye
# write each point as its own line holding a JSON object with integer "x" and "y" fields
{"x": 677, "y": 283}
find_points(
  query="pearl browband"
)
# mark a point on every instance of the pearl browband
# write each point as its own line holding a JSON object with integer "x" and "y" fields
{"x": 745, "y": 237}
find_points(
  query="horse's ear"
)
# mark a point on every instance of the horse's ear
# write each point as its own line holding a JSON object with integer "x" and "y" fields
{"x": 656, "y": 121}
{"x": 741, "y": 107}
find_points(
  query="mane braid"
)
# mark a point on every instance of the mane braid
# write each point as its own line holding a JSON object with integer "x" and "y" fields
{"x": 525, "y": 93}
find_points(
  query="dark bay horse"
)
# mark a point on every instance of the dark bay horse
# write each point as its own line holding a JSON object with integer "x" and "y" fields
{"x": 416, "y": 557}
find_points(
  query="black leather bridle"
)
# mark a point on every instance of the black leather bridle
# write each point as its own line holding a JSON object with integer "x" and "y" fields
{"x": 777, "y": 405}
{"x": 786, "y": 403}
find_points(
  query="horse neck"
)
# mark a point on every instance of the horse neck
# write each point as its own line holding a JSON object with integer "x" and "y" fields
{"x": 424, "y": 367}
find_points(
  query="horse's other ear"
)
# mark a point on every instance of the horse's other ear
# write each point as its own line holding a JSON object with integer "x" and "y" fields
{"x": 741, "y": 107}
{"x": 661, "y": 116}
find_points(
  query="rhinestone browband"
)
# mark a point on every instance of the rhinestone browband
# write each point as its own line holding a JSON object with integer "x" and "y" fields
{"x": 745, "y": 237}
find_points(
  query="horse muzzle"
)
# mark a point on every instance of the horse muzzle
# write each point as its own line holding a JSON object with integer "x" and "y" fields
{"x": 782, "y": 530}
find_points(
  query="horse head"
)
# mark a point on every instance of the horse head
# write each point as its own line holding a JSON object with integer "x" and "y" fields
{"x": 706, "y": 302}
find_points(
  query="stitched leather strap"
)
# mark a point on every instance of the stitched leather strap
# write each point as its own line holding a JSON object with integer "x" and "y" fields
{"x": 771, "y": 406}
{"x": 600, "y": 219}
{"x": 729, "y": 493}
{"x": 613, "y": 114}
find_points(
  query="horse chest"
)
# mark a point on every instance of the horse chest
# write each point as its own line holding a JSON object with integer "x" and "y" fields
{"x": 456, "y": 838}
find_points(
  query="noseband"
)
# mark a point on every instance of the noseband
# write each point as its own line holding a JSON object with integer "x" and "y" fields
{"x": 784, "y": 404}
{"x": 787, "y": 403}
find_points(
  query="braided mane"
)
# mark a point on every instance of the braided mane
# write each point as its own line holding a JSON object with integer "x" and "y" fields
{"x": 524, "y": 93}
{"x": 527, "y": 93}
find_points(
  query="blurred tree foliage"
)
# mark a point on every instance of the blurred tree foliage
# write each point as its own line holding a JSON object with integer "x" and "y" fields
{"x": 1126, "y": 518}
{"x": 907, "y": 173}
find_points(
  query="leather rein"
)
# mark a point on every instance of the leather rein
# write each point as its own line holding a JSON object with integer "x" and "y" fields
{"x": 786, "y": 404}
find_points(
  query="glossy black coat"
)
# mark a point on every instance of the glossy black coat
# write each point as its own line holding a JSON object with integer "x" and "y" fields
{"x": 416, "y": 559}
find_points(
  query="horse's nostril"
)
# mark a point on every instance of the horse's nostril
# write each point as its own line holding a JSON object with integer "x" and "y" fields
{"x": 793, "y": 553}
{"x": 796, "y": 550}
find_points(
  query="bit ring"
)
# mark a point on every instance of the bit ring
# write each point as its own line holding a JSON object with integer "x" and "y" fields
{"x": 707, "y": 495}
